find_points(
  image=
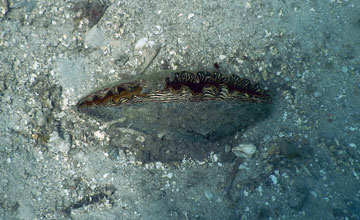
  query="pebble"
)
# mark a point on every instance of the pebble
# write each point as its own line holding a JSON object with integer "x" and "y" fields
{"x": 162, "y": 134}
{"x": 314, "y": 194}
{"x": 99, "y": 135}
{"x": 222, "y": 57}
{"x": 344, "y": 69}
{"x": 208, "y": 195}
{"x": 41, "y": 119}
{"x": 317, "y": 94}
{"x": 2, "y": 84}
{"x": 244, "y": 150}
{"x": 4, "y": 8}
{"x": 353, "y": 145}
{"x": 227, "y": 148}
{"x": 273, "y": 179}
{"x": 246, "y": 193}
{"x": 141, "y": 43}
{"x": 158, "y": 165}
{"x": 297, "y": 199}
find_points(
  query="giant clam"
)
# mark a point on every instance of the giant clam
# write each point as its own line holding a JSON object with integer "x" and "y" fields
{"x": 183, "y": 114}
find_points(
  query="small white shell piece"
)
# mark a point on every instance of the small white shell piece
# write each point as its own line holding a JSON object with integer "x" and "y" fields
{"x": 141, "y": 43}
{"x": 245, "y": 150}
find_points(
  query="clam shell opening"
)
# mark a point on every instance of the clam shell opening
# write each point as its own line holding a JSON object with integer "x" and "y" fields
{"x": 177, "y": 86}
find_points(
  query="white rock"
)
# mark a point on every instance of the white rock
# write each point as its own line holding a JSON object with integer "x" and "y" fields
{"x": 244, "y": 150}
{"x": 208, "y": 195}
{"x": 99, "y": 135}
{"x": 246, "y": 193}
{"x": 222, "y": 57}
{"x": 151, "y": 43}
{"x": 313, "y": 193}
{"x": 344, "y": 69}
{"x": 170, "y": 175}
{"x": 227, "y": 149}
{"x": 158, "y": 165}
{"x": 41, "y": 119}
{"x": 141, "y": 43}
{"x": 273, "y": 179}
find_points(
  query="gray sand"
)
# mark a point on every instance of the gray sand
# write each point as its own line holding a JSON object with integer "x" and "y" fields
{"x": 60, "y": 163}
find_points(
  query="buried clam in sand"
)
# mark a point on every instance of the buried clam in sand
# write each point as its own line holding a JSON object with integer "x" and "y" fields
{"x": 180, "y": 106}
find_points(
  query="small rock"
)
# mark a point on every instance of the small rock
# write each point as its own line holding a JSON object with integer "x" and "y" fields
{"x": 227, "y": 149}
{"x": 141, "y": 43}
{"x": 162, "y": 134}
{"x": 59, "y": 144}
{"x": 344, "y": 69}
{"x": 246, "y": 193}
{"x": 244, "y": 150}
{"x": 121, "y": 60}
{"x": 222, "y": 57}
{"x": 4, "y": 8}
{"x": 273, "y": 179}
{"x": 208, "y": 195}
{"x": 41, "y": 119}
{"x": 2, "y": 86}
{"x": 317, "y": 94}
{"x": 191, "y": 15}
{"x": 314, "y": 194}
{"x": 99, "y": 135}
{"x": 297, "y": 199}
